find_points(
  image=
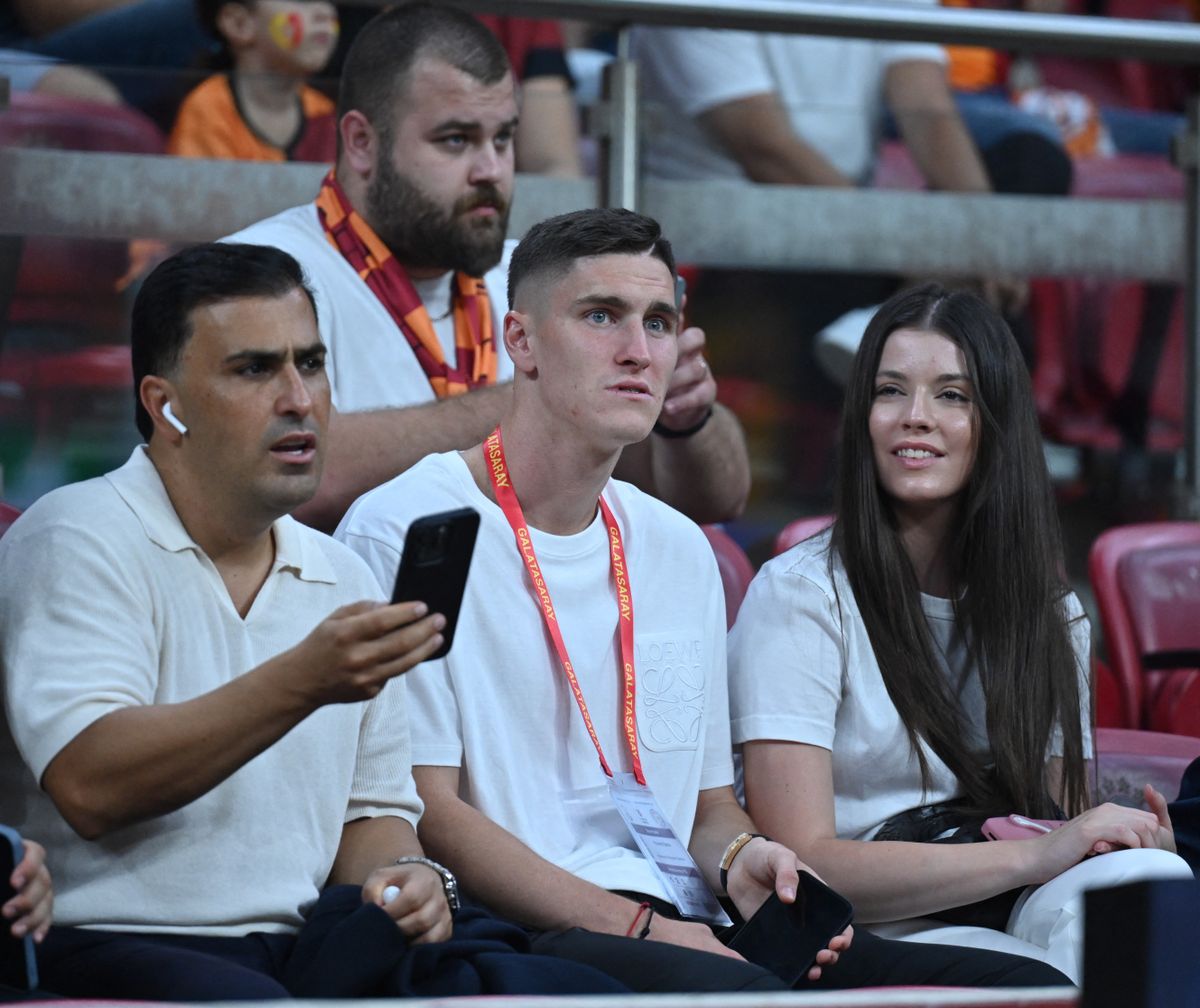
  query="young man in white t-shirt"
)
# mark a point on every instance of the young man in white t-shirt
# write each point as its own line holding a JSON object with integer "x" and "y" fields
{"x": 588, "y": 671}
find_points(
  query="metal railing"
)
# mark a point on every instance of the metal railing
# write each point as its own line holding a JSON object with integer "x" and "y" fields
{"x": 118, "y": 195}
{"x": 1066, "y": 34}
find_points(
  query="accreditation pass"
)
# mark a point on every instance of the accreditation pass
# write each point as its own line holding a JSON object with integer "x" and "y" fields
{"x": 668, "y": 857}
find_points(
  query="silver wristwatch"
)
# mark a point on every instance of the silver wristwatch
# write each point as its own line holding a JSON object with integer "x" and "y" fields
{"x": 449, "y": 882}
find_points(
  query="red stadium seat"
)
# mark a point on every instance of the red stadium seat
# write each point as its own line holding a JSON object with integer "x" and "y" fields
{"x": 800, "y": 529}
{"x": 736, "y": 570}
{"x": 1161, "y": 587}
{"x": 1109, "y": 697}
{"x": 41, "y": 120}
{"x": 1108, "y": 370}
{"x": 1146, "y": 579}
{"x": 8, "y": 515}
{"x": 64, "y": 361}
{"x": 64, "y": 281}
{"x": 1127, "y": 759}
{"x": 1176, "y": 704}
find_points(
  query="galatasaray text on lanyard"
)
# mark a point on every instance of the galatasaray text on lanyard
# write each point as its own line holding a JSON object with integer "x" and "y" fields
{"x": 651, "y": 830}
{"x": 506, "y": 497}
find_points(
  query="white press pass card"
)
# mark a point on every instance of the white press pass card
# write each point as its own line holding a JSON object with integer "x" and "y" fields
{"x": 662, "y": 848}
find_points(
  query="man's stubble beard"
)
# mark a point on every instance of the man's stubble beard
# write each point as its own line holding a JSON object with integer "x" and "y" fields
{"x": 420, "y": 234}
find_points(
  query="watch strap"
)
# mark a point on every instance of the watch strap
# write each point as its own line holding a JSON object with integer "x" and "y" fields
{"x": 663, "y": 431}
{"x": 449, "y": 882}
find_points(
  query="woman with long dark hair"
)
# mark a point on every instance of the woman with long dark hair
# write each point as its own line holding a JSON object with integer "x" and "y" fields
{"x": 922, "y": 666}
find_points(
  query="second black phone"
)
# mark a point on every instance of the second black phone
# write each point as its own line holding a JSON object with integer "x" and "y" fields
{"x": 786, "y": 937}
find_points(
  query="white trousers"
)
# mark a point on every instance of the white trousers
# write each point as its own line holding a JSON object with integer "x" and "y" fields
{"x": 1047, "y": 921}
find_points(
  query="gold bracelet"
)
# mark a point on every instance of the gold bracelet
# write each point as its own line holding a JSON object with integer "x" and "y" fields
{"x": 732, "y": 851}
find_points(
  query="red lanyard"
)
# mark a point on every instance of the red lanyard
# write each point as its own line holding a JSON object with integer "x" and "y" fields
{"x": 506, "y": 497}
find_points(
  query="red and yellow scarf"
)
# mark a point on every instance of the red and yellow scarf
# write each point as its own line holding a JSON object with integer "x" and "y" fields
{"x": 474, "y": 342}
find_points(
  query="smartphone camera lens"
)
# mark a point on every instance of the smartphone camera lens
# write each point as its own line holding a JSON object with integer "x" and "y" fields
{"x": 430, "y": 546}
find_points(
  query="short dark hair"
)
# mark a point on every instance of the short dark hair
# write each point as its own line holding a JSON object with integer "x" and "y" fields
{"x": 220, "y": 57}
{"x": 190, "y": 279}
{"x": 551, "y": 247}
{"x": 207, "y": 11}
{"x": 386, "y": 48}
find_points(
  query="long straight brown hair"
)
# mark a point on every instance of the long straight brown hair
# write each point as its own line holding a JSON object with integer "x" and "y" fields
{"x": 1006, "y": 562}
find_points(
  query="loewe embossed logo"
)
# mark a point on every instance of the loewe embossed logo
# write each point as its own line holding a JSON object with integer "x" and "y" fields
{"x": 670, "y": 692}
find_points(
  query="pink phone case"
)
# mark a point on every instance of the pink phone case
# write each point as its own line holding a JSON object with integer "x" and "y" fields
{"x": 1017, "y": 827}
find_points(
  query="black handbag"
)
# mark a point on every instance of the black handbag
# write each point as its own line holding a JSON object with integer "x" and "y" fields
{"x": 952, "y": 822}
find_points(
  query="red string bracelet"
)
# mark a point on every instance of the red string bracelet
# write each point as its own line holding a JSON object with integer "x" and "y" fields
{"x": 636, "y": 917}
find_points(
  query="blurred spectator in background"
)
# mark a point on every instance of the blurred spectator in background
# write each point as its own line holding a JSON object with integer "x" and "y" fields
{"x": 548, "y": 143}
{"x": 43, "y": 75}
{"x": 130, "y": 41}
{"x": 997, "y": 94}
{"x": 977, "y": 76}
{"x": 261, "y": 109}
{"x": 797, "y": 109}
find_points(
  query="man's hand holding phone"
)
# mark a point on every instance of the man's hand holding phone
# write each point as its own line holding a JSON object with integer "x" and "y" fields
{"x": 31, "y": 896}
{"x": 354, "y": 651}
{"x": 26, "y": 902}
{"x": 794, "y": 921}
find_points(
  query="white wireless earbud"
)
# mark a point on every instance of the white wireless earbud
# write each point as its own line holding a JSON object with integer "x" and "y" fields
{"x": 173, "y": 420}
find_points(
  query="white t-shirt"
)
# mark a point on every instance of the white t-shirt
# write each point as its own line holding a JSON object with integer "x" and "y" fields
{"x": 107, "y": 603}
{"x": 499, "y": 706}
{"x": 371, "y": 366}
{"x": 802, "y": 669}
{"x": 832, "y": 89}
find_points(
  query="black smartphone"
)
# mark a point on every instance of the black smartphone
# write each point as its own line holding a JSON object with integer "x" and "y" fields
{"x": 786, "y": 937}
{"x": 18, "y": 963}
{"x": 433, "y": 568}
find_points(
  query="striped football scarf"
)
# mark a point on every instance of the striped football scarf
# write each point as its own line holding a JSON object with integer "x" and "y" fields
{"x": 474, "y": 343}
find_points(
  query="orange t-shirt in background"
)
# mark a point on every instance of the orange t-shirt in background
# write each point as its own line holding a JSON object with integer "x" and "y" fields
{"x": 210, "y": 124}
{"x": 972, "y": 68}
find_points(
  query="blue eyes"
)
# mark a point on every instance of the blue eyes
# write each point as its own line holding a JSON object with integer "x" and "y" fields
{"x": 601, "y": 316}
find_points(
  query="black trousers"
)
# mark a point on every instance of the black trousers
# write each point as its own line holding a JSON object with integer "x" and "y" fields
{"x": 871, "y": 961}
{"x": 345, "y": 949}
